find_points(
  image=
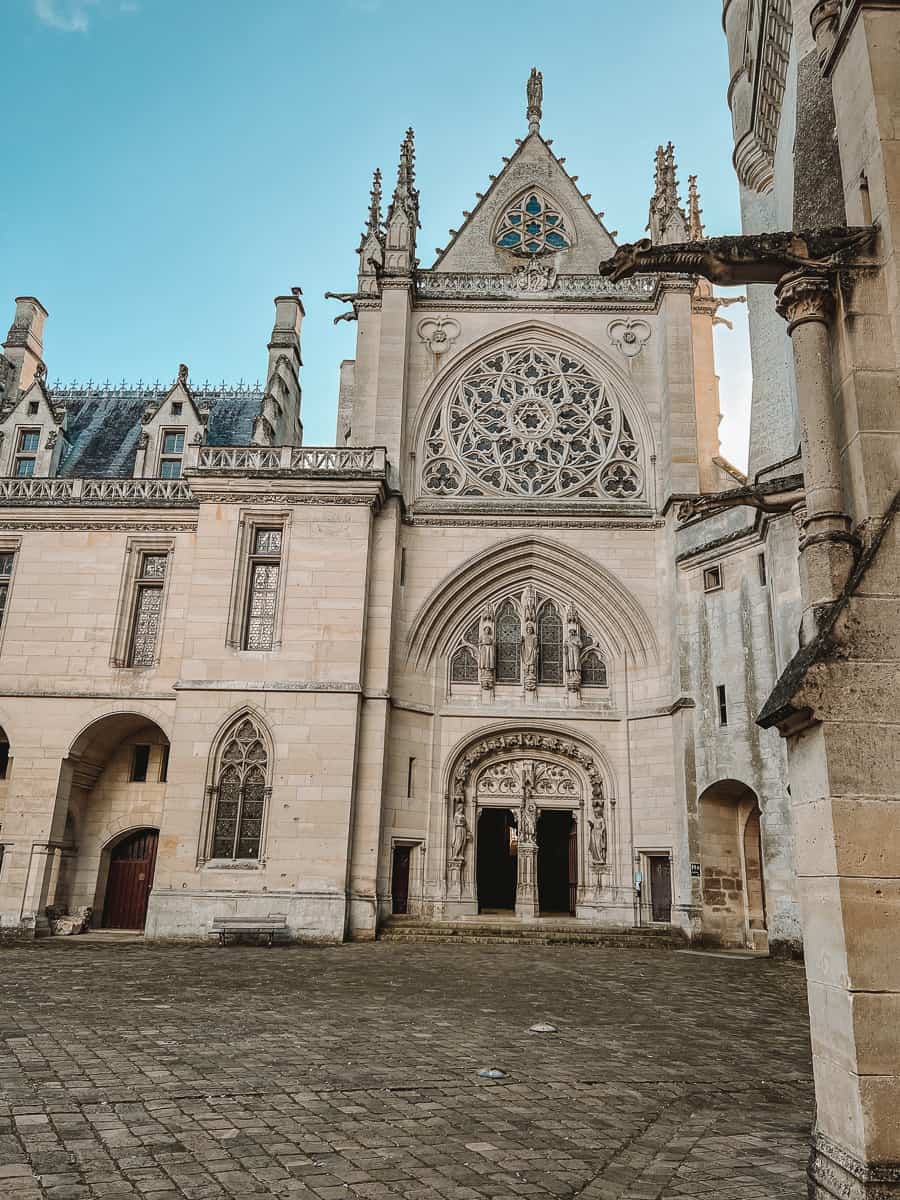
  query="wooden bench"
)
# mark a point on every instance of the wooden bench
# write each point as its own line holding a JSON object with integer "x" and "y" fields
{"x": 270, "y": 925}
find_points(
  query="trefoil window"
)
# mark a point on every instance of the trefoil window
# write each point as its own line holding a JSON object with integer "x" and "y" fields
{"x": 240, "y": 794}
{"x": 262, "y": 589}
{"x": 148, "y": 607}
{"x": 533, "y": 225}
{"x": 170, "y": 459}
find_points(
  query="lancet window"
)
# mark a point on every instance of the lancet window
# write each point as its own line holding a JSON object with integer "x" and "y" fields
{"x": 509, "y": 636}
{"x": 550, "y": 645}
{"x": 593, "y": 670}
{"x": 240, "y": 794}
{"x": 533, "y": 224}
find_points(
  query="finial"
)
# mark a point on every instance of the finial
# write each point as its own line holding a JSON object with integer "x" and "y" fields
{"x": 406, "y": 197}
{"x": 534, "y": 91}
{"x": 40, "y": 372}
{"x": 183, "y": 374}
{"x": 373, "y": 225}
{"x": 696, "y": 231}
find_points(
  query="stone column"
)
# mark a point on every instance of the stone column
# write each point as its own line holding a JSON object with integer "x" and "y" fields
{"x": 806, "y": 302}
{"x": 526, "y": 887}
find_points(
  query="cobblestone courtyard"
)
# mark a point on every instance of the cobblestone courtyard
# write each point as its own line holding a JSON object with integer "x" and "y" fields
{"x": 334, "y": 1073}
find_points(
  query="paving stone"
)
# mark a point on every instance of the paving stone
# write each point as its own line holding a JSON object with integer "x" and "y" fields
{"x": 352, "y": 1072}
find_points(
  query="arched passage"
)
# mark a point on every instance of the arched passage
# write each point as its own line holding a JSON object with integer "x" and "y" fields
{"x": 734, "y": 907}
{"x": 109, "y": 808}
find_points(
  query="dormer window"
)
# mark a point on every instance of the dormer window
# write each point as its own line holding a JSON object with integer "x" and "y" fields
{"x": 171, "y": 454}
{"x": 26, "y": 451}
{"x": 533, "y": 225}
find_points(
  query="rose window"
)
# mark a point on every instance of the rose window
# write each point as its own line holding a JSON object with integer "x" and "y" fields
{"x": 531, "y": 422}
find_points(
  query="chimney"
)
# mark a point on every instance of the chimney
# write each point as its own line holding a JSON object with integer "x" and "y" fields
{"x": 285, "y": 338}
{"x": 24, "y": 343}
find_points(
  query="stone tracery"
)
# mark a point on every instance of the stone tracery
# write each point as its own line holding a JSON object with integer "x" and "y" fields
{"x": 529, "y": 639}
{"x": 532, "y": 421}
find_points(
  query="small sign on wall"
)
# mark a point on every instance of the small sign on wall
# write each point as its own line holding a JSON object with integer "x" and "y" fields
{"x": 695, "y": 870}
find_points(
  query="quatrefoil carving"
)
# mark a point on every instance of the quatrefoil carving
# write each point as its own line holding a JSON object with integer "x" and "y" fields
{"x": 629, "y": 336}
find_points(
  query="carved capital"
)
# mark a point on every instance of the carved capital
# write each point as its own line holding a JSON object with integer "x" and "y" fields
{"x": 804, "y": 296}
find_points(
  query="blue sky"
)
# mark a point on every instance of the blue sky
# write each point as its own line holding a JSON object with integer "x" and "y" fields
{"x": 172, "y": 165}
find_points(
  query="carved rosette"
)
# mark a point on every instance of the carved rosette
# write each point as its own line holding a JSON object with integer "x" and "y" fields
{"x": 804, "y": 296}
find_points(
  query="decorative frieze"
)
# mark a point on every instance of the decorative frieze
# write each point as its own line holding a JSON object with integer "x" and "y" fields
{"x": 95, "y": 491}
{"x": 532, "y": 280}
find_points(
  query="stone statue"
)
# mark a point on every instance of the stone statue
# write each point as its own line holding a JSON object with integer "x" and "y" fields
{"x": 486, "y": 647}
{"x": 529, "y": 821}
{"x": 460, "y": 830}
{"x": 529, "y": 643}
{"x": 573, "y": 649}
{"x": 183, "y": 374}
{"x": 534, "y": 91}
{"x": 597, "y": 843}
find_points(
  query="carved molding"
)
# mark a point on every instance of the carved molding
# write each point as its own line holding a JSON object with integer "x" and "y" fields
{"x": 445, "y": 285}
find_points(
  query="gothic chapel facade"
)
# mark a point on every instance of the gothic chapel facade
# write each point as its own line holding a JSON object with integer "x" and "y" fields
{"x": 469, "y": 664}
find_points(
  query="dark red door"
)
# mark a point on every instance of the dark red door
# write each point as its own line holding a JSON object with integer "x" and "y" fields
{"x": 661, "y": 887}
{"x": 400, "y": 879}
{"x": 131, "y": 866}
{"x": 573, "y": 866}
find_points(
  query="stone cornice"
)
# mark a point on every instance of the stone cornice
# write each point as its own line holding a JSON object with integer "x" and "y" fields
{"x": 530, "y": 522}
{"x": 50, "y": 520}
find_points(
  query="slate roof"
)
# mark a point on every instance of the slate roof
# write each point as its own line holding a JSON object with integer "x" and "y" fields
{"x": 104, "y": 423}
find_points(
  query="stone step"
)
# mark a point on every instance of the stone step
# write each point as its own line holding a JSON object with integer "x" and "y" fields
{"x": 511, "y": 933}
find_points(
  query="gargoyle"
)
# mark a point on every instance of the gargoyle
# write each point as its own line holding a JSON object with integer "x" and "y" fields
{"x": 773, "y": 496}
{"x": 751, "y": 258}
{"x": 345, "y": 298}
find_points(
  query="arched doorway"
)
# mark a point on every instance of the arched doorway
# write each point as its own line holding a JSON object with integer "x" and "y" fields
{"x": 109, "y": 806}
{"x": 734, "y": 911}
{"x": 132, "y": 862}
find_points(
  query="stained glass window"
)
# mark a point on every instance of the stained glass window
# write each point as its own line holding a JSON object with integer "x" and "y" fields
{"x": 509, "y": 636}
{"x": 262, "y": 602}
{"x": 147, "y": 610}
{"x": 464, "y": 666}
{"x": 6, "y": 566}
{"x": 593, "y": 670}
{"x": 240, "y": 794}
{"x": 550, "y": 639}
{"x": 533, "y": 225}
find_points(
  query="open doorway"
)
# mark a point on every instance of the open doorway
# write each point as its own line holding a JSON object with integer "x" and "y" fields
{"x": 557, "y": 862}
{"x": 497, "y": 860}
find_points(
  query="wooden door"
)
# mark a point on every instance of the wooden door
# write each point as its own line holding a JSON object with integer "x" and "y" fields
{"x": 130, "y": 879}
{"x": 573, "y": 866}
{"x": 400, "y": 879}
{"x": 661, "y": 887}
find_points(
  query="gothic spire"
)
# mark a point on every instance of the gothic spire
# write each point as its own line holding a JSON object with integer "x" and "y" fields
{"x": 534, "y": 91}
{"x": 406, "y": 195}
{"x": 668, "y": 222}
{"x": 373, "y": 224}
{"x": 696, "y": 232}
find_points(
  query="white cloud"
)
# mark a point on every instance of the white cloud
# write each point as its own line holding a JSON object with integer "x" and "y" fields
{"x": 74, "y": 16}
